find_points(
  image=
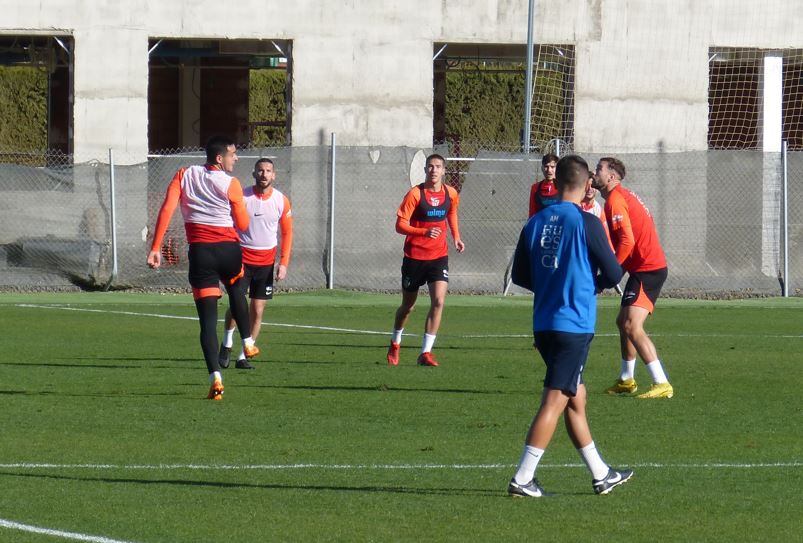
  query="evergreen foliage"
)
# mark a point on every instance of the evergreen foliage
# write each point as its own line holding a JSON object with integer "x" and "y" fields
{"x": 266, "y": 102}
{"x": 23, "y": 109}
{"x": 485, "y": 107}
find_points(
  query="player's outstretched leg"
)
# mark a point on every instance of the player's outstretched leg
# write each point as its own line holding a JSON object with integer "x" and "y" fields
{"x": 207, "y": 318}
{"x": 239, "y": 311}
{"x": 437, "y": 296}
{"x": 400, "y": 319}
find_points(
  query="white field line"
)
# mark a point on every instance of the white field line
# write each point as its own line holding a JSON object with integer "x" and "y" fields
{"x": 162, "y": 316}
{"x": 56, "y": 533}
{"x": 376, "y": 332}
{"x": 377, "y": 467}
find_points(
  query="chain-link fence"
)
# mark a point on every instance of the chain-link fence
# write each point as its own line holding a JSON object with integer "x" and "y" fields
{"x": 55, "y": 219}
{"x": 719, "y": 215}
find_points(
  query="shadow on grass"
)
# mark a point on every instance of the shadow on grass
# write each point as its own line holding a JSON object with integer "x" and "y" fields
{"x": 117, "y": 394}
{"x": 377, "y": 388}
{"x": 260, "y": 361}
{"x": 143, "y": 359}
{"x": 393, "y": 489}
{"x": 384, "y": 346}
{"x": 59, "y": 365}
{"x": 106, "y": 366}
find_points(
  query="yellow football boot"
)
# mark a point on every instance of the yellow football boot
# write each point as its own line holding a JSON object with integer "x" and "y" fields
{"x": 658, "y": 390}
{"x": 628, "y": 386}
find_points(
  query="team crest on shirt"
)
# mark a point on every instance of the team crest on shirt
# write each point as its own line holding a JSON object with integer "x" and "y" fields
{"x": 435, "y": 201}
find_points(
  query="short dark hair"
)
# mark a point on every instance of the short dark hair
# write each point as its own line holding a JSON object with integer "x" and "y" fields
{"x": 549, "y": 157}
{"x": 572, "y": 172}
{"x": 263, "y": 161}
{"x": 616, "y": 165}
{"x": 435, "y": 156}
{"x": 217, "y": 145}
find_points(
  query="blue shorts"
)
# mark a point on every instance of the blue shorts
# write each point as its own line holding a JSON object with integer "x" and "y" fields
{"x": 565, "y": 355}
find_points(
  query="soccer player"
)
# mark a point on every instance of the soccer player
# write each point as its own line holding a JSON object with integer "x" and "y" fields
{"x": 589, "y": 204}
{"x": 422, "y": 217}
{"x": 564, "y": 258}
{"x": 212, "y": 205}
{"x": 543, "y": 193}
{"x": 269, "y": 212}
{"x": 639, "y": 251}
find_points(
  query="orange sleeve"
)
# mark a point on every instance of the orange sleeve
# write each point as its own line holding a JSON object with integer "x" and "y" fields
{"x": 533, "y": 200}
{"x": 286, "y": 226}
{"x": 405, "y": 213}
{"x": 451, "y": 217}
{"x": 621, "y": 230}
{"x": 238, "y": 210}
{"x": 166, "y": 211}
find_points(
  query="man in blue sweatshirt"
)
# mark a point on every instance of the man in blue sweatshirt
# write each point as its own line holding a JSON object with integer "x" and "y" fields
{"x": 564, "y": 258}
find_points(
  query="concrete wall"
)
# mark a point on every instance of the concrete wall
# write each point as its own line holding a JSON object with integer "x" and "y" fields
{"x": 363, "y": 68}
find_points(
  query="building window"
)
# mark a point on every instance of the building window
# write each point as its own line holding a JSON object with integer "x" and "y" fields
{"x": 199, "y": 88}
{"x": 36, "y": 90}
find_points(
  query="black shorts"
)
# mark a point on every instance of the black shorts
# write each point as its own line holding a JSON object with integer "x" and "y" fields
{"x": 259, "y": 280}
{"x": 214, "y": 263}
{"x": 643, "y": 288}
{"x": 417, "y": 272}
{"x": 565, "y": 355}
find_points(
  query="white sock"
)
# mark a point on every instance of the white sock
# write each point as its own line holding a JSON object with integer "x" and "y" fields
{"x": 429, "y": 341}
{"x": 242, "y": 356}
{"x": 657, "y": 372}
{"x": 527, "y": 464}
{"x": 248, "y": 341}
{"x": 215, "y": 376}
{"x": 628, "y": 369}
{"x": 596, "y": 465}
{"x": 228, "y": 338}
{"x": 397, "y": 335}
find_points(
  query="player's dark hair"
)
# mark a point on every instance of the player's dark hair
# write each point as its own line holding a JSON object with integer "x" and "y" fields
{"x": 616, "y": 165}
{"x": 549, "y": 157}
{"x": 571, "y": 172}
{"x": 217, "y": 145}
{"x": 263, "y": 161}
{"x": 435, "y": 156}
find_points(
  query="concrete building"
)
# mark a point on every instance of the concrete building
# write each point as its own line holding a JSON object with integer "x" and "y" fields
{"x": 364, "y": 68}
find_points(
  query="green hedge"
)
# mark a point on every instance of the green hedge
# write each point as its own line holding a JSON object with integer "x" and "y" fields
{"x": 23, "y": 109}
{"x": 485, "y": 106}
{"x": 266, "y": 102}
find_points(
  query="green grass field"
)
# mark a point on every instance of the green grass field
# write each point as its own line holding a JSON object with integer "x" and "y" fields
{"x": 105, "y": 431}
